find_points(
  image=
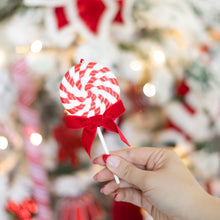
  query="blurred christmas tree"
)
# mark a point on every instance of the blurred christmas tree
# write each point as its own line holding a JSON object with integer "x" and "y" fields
{"x": 166, "y": 56}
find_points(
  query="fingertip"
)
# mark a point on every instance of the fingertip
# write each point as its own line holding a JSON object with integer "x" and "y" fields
{"x": 102, "y": 189}
{"x": 98, "y": 161}
{"x": 118, "y": 196}
{"x": 105, "y": 157}
{"x": 95, "y": 177}
{"x": 112, "y": 161}
{"x": 103, "y": 175}
{"x": 95, "y": 161}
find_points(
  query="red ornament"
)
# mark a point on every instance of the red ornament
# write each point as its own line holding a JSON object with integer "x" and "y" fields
{"x": 91, "y": 12}
{"x": 69, "y": 143}
{"x": 24, "y": 214}
{"x": 124, "y": 210}
{"x": 205, "y": 48}
{"x": 61, "y": 17}
{"x": 25, "y": 211}
{"x": 12, "y": 207}
{"x": 182, "y": 88}
{"x": 119, "y": 18}
{"x": 30, "y": 206}
{"x": 170, "y": 124}
{"x": 84, "y": 207}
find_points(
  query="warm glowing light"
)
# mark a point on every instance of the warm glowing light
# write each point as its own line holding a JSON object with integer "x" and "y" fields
{"x": 149, "y": 90}
{"x": 2, "y": 58}
{"x": 158, "y": 56}
{"x": 36, "y": 46}
{"x": 136, "y": 65}
{"x": 22, "y": 49}
{"x": 3, "y": 143}
{"x": 36, "y": 139}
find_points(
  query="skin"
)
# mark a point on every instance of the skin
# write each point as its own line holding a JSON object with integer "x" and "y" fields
{"x": 157, "y": 180}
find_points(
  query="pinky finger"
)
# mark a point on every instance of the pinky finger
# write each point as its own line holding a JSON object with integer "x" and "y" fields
{"x": 133, "y": 196}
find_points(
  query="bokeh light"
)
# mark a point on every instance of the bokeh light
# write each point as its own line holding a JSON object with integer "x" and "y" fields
{"x": 149, "y": 90}
{"x": 36, "y": 139}
{"x": 3, "y": 143}
{"x": 36, "y": 46}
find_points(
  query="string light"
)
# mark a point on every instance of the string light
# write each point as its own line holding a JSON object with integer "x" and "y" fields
{"x": 3, "y": 143}
{"x": 2, "y": 58}
{"x": 36, "y": 139}
{"x": 158, "y": 56}
{"x": 136, "y": 65}
{"x": 36, "y": 46}
{"x": 149, "y": 90}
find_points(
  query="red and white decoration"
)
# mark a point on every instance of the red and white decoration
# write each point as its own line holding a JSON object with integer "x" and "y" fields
{"x": 31, "y": 123}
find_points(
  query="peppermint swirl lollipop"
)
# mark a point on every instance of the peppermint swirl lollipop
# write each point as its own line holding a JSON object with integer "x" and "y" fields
{"x": 90, "y": 93}
{"x": 88, "y": 89}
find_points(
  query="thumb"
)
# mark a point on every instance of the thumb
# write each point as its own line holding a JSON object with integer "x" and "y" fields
{"x": 127, "y": 171}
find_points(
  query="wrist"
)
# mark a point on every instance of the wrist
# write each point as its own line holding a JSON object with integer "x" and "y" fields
{"x": 204, "y": 207}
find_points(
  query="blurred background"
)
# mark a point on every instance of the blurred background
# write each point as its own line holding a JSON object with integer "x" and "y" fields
{"x": 166, "y": 57}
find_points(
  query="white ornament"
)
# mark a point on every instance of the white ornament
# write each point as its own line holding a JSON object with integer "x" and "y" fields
{"x": 197, "y": 125}
{"x": 7, "y": 94}
{"x": 130, "y": 67}
{"x": 24, "y": 28}
{"x": 55, "y": 37}
{"x": 99, "y": 51}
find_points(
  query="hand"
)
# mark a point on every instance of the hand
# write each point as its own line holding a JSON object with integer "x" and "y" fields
{"x": 157, "y": 180}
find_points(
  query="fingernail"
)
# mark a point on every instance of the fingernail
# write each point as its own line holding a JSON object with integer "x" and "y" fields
{"x": 105, "y": 156}
{"x": 95, "y": 177}
{"x": 95, "y": 161}
{"x": 102, "y": 189}
{"x": 116, "y": 196}
{"x": 113, "y": 162}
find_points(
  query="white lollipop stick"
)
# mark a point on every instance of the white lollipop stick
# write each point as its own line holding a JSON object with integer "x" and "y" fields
{"x": 106, "y": 149}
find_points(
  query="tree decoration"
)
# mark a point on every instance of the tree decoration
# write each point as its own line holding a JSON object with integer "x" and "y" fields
{"x": 26, "y": 210}
{"x": 69, "y": 144}
{"x": 8, "y": 7}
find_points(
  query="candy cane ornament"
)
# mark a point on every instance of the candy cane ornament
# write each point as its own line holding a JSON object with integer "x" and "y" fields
{"x": 90, "y": 95}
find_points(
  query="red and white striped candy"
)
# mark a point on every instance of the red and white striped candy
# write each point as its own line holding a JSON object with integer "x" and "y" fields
{"x": 88, "y": 89}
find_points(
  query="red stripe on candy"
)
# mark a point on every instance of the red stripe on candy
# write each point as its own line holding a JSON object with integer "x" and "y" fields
{"x": 76, "y": 108}
{"x": 91, "y": 65}
{"x": 79, "y": 85}
{"x": 97, "y": 111}
{"x": 77, "y": 68}
{"x": 64, "y": 100}
{"x": 88, "y": 86}
{"x": 63, "y": 88}
{"x": 104, "y": 70}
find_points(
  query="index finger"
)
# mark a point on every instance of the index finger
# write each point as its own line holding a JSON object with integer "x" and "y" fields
{"x": 137, "y": 155}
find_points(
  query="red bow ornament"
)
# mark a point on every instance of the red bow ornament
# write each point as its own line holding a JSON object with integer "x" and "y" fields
{"x": 107, "y": 121}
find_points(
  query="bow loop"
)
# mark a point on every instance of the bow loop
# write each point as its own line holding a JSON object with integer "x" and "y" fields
{"x": 90, "y": 124}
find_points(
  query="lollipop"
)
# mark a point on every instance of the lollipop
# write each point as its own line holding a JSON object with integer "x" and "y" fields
{"x": 90, "y": 94}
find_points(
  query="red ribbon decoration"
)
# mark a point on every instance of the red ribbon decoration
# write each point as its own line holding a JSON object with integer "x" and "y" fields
{"x": 90, "y": 124}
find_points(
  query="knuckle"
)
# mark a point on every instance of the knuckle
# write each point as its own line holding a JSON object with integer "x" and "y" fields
{"x": 171, "y": 153}
{"x": 127, "y": 171}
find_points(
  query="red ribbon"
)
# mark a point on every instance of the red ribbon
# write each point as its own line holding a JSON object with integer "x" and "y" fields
{"x": 90, "y": 124}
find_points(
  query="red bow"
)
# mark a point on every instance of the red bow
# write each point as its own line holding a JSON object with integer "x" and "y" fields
{"x": 90, "y": 124}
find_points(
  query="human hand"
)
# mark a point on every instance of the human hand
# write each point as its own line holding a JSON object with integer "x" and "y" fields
{"x": 157, "y": 180}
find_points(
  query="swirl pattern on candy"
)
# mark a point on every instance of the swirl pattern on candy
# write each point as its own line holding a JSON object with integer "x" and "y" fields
{"x": 90, "y": 94}
{"x": 88, "y": 89}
